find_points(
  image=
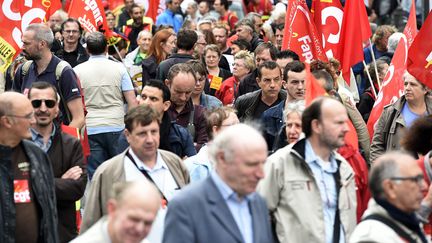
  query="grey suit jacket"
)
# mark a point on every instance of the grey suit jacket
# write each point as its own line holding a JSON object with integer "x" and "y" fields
{"x": 199, "y": 214}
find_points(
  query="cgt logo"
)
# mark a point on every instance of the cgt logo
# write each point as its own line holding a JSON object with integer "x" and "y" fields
{"x": 33, "y": 12}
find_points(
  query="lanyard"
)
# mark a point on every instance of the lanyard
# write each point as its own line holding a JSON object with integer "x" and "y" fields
{"x": 144, "y": 172}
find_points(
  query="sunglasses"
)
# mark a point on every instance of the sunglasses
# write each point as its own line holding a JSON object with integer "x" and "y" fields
{"x": 48, "y": 103}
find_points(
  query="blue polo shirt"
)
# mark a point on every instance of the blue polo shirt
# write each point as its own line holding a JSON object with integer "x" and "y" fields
{"x": 67, "y": 84}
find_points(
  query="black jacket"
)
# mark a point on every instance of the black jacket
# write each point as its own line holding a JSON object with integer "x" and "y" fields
{"x": 42, "y": 185}
{"x": 246, "y": 104}
{"x": 162, "y": 70}
{"x": 66, "y": 152}
{"x": 255, "y": 42}
{"x": 248, "y": 84}
{"x": 82, "y": 55}
{"x": 149, "y": 67}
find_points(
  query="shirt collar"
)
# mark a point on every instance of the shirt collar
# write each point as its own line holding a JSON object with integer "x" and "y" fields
{"x": 36, "y": 134}
{"x": 160, "y": 163}
{"x": 312, "y": 158}
{"x": 225, "y": 190}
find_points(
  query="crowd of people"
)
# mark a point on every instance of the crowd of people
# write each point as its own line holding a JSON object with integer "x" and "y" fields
{"x": 194, "y": 128}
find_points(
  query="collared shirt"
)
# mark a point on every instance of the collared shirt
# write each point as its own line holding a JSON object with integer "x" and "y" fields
{"x": 239, "y": 208}
{"x": 199, "y": 165}
{"x": 159, "y": 173}
{"x": 38, "y": 139}
{"x": 323, "y": 172}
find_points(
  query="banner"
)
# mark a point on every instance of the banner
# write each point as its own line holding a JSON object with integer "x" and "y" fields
{"x": 392, "y": 85}
{"x": 328, "y": 16}
{"x": 420, "y": 54}
{"x": 15, "y": 16}
{"x": 90, "y": 14}
{"x": 355, "y": 31}
{"x": 300, "y": 34}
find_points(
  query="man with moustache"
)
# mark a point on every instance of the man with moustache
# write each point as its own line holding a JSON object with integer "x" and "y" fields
{"x": 66, "y": 155}
{"x": 27, "y": 198}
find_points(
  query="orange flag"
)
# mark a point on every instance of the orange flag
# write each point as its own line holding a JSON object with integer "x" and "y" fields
{"x": 313, "y": 88}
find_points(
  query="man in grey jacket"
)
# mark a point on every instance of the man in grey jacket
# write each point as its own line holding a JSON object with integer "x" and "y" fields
{"x": 309, "y": 187}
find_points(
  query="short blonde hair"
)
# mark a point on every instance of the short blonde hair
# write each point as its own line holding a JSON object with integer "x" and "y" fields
{"x": 247, "y": 57}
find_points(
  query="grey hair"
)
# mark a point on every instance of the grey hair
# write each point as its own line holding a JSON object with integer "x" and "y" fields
{"x": 385, "y": 167}
{"x": 42, "y": 33}
{"x": 142, "y": 32}
{"x": 229, "y": 140}
{"x": 295, "y": 106}
{"x": 393, "y": 41}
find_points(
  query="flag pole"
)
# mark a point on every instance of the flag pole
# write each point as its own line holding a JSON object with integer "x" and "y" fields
{"x": 370, "y": 79}
{"x": 374, "y": 63}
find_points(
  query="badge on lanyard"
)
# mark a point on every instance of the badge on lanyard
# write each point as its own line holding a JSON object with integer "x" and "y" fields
{"x": 21, "y": 191}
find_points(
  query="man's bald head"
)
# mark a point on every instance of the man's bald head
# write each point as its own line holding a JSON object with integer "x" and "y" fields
{"x": 7, "y": 100}
{"x": 132, "y": 211}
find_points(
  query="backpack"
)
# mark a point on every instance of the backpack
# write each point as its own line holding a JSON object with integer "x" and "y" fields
{"x": 61, "y": 66}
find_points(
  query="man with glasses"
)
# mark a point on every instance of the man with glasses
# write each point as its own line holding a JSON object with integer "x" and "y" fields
{"x": 72, "y": 51}
{"x": 27, "y": 198}
{"x": 397, "y": 186}
{"x": 252, "y": 105}
{"x": 66, "y": 155}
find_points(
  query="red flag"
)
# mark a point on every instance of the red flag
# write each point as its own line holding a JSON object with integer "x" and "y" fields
{"x": 15, "y": 16}
{"x": 392, "y": 85}
{"x": 355, "y": 31}
{"x": 55, "y": 5}
{"x": 90, "y": 14}
{"x": 328, "y": 15}
{"x": 151, "y": 10}
{"x": 420, "y": 54}
{"x": 300, "y": 33}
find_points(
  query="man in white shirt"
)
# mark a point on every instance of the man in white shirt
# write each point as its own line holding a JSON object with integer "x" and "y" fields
{"x": 142, "y": 160}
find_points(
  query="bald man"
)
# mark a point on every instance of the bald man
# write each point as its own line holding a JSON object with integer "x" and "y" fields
{"x": 131, "y": 213}
{"x": 224, "y": 207}
{"x": 27, "y": 199}
{"x": 309, "y": 187}
{"x": 397, "y": 186}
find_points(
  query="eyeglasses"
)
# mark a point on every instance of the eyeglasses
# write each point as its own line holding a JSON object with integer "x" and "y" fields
{"x": 71, "y": 31}
{"x": 202, "y": 43}
{"x": 417, "y": 179}
{"x": 28, "y": 116}
{"x": 48, "y": 103}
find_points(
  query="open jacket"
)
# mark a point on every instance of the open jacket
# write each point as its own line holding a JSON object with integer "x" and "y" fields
{"x": 246, "y": 104}
{"x": 294, "y": 199}
{"x": 42, "y": 184}
{"x": 112, "y": 171}
{"x": 391, "y": 128}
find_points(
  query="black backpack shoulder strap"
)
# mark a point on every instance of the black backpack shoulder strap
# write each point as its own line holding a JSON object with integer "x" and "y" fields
{"x": 402, "y": 233}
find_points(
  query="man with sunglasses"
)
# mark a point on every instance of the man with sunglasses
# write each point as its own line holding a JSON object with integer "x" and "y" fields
{"x": 65, "y": 153}
{"x": 27, "y": 196}
{"x": 397, "y": 186}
